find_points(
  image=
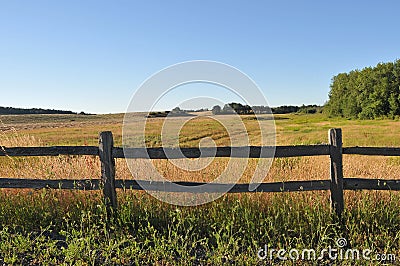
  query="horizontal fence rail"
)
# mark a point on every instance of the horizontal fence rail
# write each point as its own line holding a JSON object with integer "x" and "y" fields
{"x": 381, "y": 151}
{"x": 238, "y": 152}
{"x": 80, "y": 184}
{"x": 370, "y": 184}
{"x": 107, "y": 153}
{"x": 49, "y": 151}
{"x": 289, "y": 186}
{"x": 160, "y": 153}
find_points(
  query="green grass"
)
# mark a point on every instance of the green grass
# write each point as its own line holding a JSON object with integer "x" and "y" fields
{"x": 72, "y": 228}
{"x": 49, "y": 229}
{"x": 291, "y": 129}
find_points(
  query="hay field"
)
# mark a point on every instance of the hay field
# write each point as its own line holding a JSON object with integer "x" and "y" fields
{"x": 69, "y": 227}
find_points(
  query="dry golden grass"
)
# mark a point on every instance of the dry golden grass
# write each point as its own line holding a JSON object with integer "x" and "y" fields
{"x": 282, "y": 169}
{"x": 298, "y": 219}
{"x": 56, "y": 167}
{"x": 291, "y": 129}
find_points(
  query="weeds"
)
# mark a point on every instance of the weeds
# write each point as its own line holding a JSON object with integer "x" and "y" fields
{"x": 71, "y": 227}
{"x": 229, "y": 230}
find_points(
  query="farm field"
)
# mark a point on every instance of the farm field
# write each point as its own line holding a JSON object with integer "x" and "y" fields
{"x": 56, "y": 227}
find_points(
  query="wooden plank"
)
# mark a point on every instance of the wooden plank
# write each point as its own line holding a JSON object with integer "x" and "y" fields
{"x": 158, "y": 153}
{"x": 337, "y": 201}
{"x": 80, "y": 184}
{"x": 371, "y": 184}
{"x": 239, "y": 152}
{"x": 49, "y": 151}
{"x": 302, "y": 150}
{"x": 106, "y": 144}
{"x": 218, "y": 187}
{"x": 382, "y": 151}
{"x": 94, "y": 184}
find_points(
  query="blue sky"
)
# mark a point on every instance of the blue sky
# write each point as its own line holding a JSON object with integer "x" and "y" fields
{"x": 92, "y": 55}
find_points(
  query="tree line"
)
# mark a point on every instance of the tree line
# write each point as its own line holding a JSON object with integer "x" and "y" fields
{"x": 24, "y": 111}
{"x": 372, "y": 92}
{"x": 239, "y": 108}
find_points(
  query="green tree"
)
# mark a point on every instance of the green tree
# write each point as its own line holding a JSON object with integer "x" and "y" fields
{"x": 216, "y": 110}
{"x": 366, "y": 94}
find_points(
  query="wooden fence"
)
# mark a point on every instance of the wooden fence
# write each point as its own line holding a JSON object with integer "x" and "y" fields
{"x": 107, "y": 153}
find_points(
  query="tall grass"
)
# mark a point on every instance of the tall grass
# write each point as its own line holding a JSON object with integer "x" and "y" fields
{"x": 72, "y": 227}
{"x": 67, "y": 227}
{"x": 51, "y": 167}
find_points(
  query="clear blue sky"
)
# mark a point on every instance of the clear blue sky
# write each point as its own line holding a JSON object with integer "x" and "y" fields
{"x": 92, "y": 55}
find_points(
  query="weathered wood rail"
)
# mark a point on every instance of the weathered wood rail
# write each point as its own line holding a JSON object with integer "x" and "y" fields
{"x": 107, "y": 153}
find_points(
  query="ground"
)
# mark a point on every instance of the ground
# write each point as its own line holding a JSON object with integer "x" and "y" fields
{"x": 72, "y": 227}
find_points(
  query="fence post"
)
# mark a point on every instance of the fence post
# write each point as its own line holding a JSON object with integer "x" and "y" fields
{"x": 106, "y": 145}
{"x": 336, "y": 156}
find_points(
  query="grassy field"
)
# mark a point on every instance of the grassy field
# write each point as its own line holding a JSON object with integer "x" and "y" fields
{"x": 70, "y": 227}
